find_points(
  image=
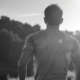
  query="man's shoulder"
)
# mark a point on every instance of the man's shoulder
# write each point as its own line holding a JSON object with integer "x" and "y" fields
{"x": 35, "y": 34}
{"x": 38, "y": 33}
{"x": 70, "y": 38}
{"x": 72, "y": 41}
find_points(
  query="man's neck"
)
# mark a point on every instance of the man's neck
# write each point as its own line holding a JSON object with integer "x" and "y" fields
{"x": 54, "y": 27}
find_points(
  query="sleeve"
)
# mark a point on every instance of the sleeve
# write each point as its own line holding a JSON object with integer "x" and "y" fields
{"x": 29, "y": 44}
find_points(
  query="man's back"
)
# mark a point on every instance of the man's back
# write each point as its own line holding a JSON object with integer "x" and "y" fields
{"x": 53, "y": 52}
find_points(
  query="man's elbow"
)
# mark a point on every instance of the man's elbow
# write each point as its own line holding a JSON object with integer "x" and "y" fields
{"x": 21, "y": 65}
{"x": 21, "y": 68}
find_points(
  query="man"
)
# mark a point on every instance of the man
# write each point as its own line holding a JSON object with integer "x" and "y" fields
{"x": 52, "y": 48}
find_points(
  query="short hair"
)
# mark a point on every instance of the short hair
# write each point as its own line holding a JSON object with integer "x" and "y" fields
{"x": 53, "y": 14}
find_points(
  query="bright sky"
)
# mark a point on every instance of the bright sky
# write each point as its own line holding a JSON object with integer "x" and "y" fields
{"x": 31, "y": 11}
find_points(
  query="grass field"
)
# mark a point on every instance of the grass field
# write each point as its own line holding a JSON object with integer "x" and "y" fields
{"x": 70, "y": 74}
{"x": 31, "y": 78}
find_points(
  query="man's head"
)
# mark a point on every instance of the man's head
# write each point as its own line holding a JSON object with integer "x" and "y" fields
{"x": 53, "y": 15}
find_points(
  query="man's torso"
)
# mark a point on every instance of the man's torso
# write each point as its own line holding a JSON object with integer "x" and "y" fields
{"x": 53, "y": 51}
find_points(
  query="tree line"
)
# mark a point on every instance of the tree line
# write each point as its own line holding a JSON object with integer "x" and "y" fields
{"x": 12, "y": 38}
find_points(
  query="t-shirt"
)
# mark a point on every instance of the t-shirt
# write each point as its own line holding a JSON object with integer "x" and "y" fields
{"x": 53, "y": 50}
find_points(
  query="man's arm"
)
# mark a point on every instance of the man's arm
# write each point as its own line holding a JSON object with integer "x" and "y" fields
{"x": 27, "y": 52}
{"x": 23, "y": 63}
{"x": 76, "y": 60}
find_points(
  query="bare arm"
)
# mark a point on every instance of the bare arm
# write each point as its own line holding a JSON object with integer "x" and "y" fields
{"x": 23, "y": 63}
{"x": 27, "y": 52}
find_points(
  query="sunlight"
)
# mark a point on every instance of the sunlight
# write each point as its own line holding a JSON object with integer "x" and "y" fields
{"x": 73, "y": 27}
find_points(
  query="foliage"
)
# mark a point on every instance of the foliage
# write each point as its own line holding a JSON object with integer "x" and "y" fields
{"x": 12, "y": 37}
